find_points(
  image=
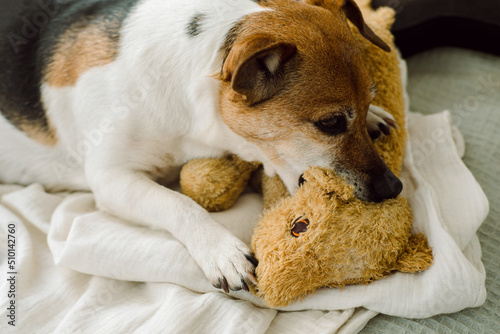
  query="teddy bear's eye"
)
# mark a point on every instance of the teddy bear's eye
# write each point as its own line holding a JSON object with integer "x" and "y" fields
{"x": 300, "y": 225}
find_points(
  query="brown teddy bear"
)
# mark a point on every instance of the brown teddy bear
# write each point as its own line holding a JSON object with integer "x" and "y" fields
{"x": 323, "y": 235}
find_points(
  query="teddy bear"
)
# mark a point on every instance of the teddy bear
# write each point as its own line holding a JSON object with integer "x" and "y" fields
{"x": 323, "y": 236}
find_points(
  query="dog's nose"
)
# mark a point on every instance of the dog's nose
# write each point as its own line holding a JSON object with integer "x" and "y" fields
{"x": 386, "y": 186}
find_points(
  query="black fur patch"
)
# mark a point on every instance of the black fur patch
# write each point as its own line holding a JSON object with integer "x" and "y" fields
{"x": 194, "y": 25}
{"x": 27, "y": 42}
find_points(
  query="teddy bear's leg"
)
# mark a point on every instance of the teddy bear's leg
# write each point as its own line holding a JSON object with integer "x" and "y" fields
{"x": 417, "y": 256}
{"x": 216, "y": 183}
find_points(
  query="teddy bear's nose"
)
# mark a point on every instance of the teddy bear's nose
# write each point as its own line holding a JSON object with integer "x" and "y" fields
{"x": 386, "y": 186}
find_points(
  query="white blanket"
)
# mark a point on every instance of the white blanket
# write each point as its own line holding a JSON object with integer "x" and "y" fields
{"x": 82, "y": 271}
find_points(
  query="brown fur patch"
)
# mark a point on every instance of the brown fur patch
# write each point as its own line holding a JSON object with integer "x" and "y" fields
{"x": 80, "y": 48}
{"x": 44, "y": 136}
{"x": 40, "y": 130}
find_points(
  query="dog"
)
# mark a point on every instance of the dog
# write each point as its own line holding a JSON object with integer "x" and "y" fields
{"x": 113, "y": 96}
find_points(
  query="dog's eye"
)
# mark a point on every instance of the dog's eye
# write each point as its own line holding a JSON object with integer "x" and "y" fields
{"x": 333, "y": 125}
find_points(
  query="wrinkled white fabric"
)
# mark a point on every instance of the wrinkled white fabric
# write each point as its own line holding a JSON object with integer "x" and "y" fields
{"x": 82, "y": 271}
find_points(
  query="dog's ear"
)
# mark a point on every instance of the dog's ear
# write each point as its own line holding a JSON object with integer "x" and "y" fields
{"x": 353, "y": 14}
{"x": 255, "y": 67}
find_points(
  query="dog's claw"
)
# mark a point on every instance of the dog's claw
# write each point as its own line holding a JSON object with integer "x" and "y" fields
{"x": 378, "y": 122}
{"x": 226, "y": 261}
{"x": 252, "y": 259}
{"x": 223, "y": 284}
{"x": 244, "y": 285}
{"x": 251, "y": 277}
{"x": 384, "y": 128}
{"x": 391, "y": 122}
{"x": 375, "y": 134}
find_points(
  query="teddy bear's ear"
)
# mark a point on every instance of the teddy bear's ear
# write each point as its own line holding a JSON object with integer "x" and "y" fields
{"x": 417, "y": 256}
{"x": 385, "y": 16}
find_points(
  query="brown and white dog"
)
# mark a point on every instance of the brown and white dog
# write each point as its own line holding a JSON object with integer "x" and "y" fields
{"x": 113, "y": 96}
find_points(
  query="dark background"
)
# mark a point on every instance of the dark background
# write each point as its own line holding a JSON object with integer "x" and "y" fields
{"x": 424, "y": 24}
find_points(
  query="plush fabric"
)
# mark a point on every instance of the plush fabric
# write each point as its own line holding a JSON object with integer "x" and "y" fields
{"x": 213, "y": 190}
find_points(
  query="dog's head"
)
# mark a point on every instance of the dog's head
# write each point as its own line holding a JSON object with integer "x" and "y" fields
{"x": 295, "y": 85}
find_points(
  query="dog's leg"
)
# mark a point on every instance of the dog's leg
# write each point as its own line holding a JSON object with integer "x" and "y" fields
{"x": 225, "y": 260}
{"x": 379, "y": 121}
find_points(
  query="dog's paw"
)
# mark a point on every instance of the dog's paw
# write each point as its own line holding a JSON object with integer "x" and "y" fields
{"x": 378, "y": 122}
{"x": 229, "y": 264}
